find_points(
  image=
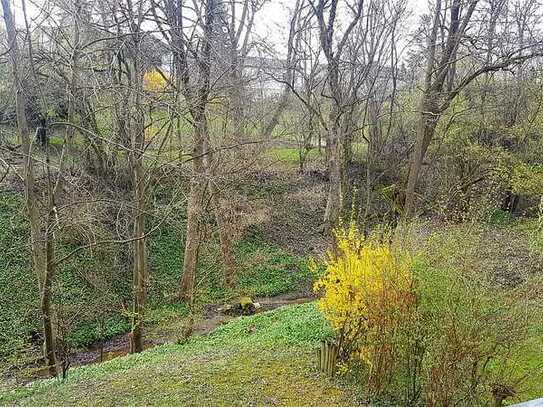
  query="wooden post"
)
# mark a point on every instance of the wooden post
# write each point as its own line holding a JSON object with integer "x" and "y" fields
{"x": 327, "y": 357}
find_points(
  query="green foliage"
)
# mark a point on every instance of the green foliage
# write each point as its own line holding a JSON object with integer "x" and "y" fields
{"x": 264, "y": 270}
{"x": 484, "y": 154}
{"x": 18, "y": 285}
{"x": 472, "y": 332}
{"x": 165, "y": 312}
{"x": 299, "y": 325}
{"x": 269, "y": 270}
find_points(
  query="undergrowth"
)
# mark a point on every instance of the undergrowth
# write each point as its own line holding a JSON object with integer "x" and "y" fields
{"x": 95, "y": 285}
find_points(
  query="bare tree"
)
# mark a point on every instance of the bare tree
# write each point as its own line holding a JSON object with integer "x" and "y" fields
{"x": 333, "y": 48}
{"x": 42, "y": 236}
{"x": 354, "y": 56}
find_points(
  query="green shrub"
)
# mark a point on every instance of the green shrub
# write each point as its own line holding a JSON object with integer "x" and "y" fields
{"x": 458, "y": 343}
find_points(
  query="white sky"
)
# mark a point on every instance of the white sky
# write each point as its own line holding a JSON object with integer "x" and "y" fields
{"x": 271, "y": 22}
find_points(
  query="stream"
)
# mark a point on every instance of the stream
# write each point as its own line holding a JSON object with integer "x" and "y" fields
{"x": 213, "y": 317}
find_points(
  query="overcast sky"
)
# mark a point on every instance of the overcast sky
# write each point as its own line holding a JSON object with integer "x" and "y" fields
{"x": 271, "y": 22}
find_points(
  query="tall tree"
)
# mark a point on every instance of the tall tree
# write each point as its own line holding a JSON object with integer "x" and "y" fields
{"x": 42, "y": 241}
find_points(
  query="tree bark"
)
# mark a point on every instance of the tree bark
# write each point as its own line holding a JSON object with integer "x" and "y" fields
{"x": 45, "y": 297}
{"x": 195, "y": 206}
{"x": 139, "y": 185}
{"x": 334, "y": 200}
{"x": 140, "y": 262}
{"x": 40, "y": 261}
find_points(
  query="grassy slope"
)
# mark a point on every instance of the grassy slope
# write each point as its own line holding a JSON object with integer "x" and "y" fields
{"x": 18, "y": 284}
{"x": 267, "y": 359}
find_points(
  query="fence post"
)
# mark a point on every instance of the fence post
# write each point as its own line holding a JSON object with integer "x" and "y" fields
{"x": 327, "y": 357}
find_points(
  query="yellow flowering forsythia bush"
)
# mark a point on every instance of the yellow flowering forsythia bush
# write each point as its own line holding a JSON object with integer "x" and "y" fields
{"x": 154, "y": 81}
{"x": 367, "y": 296}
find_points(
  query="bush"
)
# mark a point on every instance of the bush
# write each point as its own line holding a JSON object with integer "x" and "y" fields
{"x": 416, "y": 334}
{"x": 368, "y": 297}
{"x": 469, "y": 331}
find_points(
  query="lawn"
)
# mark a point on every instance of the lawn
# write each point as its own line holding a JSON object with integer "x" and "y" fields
{"x": 263, "y": 360}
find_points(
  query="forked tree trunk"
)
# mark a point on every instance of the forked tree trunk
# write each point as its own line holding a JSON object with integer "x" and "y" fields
{"x": 436, "y": 99}
{"x": 425, "y": 132}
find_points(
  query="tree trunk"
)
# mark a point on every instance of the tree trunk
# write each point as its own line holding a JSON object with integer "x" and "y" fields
{"x": 140, "y": 262}
{"x": 50, "y": 353}
{"x": 426, "y": 128}
{"x": 136, "y": 119}
{"x": 347, "y": 142}
{"x": 139, "y": 278}
{"x": 74, "y": 77}
{"x": 334, "y": 200}
{"x": 198, "y": 184}
{"x": 195, "y": 206}
{"x": 41, "y": 262}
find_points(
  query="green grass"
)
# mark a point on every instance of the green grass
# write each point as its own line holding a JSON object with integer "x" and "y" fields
{"x": 267, "y": 359}
{"x": 291, "y": 156}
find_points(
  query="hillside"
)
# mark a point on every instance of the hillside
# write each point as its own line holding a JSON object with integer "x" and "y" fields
{"x": 267, "y": 359}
